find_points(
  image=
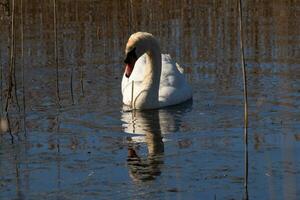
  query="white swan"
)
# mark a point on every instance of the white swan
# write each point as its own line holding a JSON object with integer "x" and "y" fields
{"x": 151, "y": 80}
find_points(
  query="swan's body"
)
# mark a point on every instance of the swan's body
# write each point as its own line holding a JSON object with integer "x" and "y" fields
{"x": 173, "y": 88}
{"x": 157, "y": 80}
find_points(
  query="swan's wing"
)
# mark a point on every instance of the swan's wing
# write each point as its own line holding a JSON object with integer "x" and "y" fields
{"x": 169, "y": 65}
{"x": 171, "y": 74}
{"x": 173, "y": 86}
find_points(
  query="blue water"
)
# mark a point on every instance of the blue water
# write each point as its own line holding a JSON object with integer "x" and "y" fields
{"x": 92, "y": 149}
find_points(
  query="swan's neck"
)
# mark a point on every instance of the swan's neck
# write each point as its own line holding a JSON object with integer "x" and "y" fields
{"x": 152, "y": 71}
{"x": 148, "y": 98}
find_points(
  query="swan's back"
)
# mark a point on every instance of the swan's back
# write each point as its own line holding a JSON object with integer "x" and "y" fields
{"x": 173, "y": 88}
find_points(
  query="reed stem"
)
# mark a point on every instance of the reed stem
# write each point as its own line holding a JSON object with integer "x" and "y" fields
{"x": 55, "y": 51}
{"x": 1, "y": 89}
{"x": 71, "y": 86}
{"x": 130, "y": 16}
{"x": 245, "y": 98}
{"x": 132, "y": 90}
{"x": 23, "y": 69}
{"x": 13, "y": 61}
{"x": 12, "y": 41}
{"x": 243, "y": 68}
{"x": 15, "y": 83}
{"x": 81, "y": 80}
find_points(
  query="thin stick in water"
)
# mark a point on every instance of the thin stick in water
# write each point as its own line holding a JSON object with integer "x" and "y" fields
{"x": 10, "y": 84}
{"x": 23, "y": 70}
{"x": 12, "y": 71}
{"x": 1, "y": 88}
{"x": 15, "y": 83}
{"x": 81, "y": 80}
{"x": 55, "y": 51}
{"x": 71, "y": 86}
{"x": 13, "y": 61}
{"x": 245, "y": 97}
{"x": 132, "y": 89}
{"x": 243, "y": 67}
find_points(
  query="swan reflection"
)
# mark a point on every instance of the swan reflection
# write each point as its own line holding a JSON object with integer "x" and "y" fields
{"x": 149, "y": 127}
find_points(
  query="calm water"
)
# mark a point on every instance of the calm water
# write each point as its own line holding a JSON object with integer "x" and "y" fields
{"x": 89, "y": 148}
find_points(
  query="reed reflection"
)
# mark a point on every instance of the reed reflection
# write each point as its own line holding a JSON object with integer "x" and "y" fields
{"x": 150, "y": 127}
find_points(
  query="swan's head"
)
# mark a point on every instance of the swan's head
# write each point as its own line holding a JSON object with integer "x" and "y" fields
{"x": 138, "y": 44}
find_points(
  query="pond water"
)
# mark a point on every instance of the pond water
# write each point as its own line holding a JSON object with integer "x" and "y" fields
{"x": 85, "y": 146}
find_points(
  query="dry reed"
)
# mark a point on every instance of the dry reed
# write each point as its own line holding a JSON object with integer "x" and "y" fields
{"x": 71, "y": 85}
{"x": 23, "y": 70}
{"x": 11, "y": 68}
{"x": 245, "y": 99}
{"x": 81, "y": 80}
{"x": 55, "y": 51}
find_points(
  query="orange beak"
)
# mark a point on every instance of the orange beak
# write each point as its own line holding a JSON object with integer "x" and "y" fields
{"x": 128, "y": 69}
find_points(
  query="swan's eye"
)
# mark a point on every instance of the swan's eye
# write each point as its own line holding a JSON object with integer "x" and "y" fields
{"x": 130, "y": 57}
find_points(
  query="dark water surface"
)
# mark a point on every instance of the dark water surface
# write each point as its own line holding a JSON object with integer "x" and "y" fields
{"x": 89, "y": 148}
